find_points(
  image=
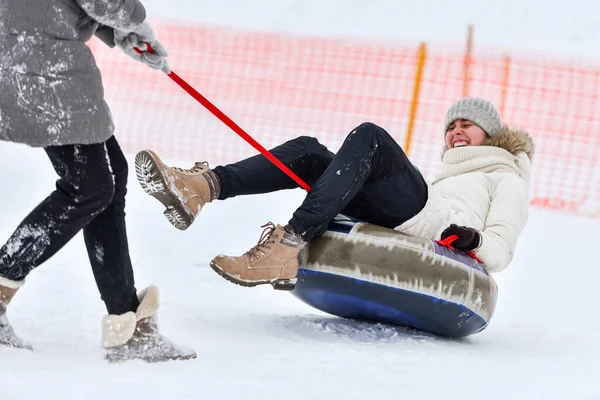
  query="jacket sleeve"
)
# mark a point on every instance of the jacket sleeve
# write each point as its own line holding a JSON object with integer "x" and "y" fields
{"x": 106, "y": 34}
{"x": 119, "y": 14}
{"x": 507, "y": 216}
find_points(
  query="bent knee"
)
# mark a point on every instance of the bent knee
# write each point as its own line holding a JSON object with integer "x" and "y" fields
{"x": 368, "y": 128}
{"x": 371, "y": 131}
{"x": 311, "y": 145}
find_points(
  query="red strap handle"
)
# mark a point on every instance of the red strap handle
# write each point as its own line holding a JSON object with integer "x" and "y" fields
{"x": 149, "y": 49}
{"x": 448, "y": 243}
{"x": 232, "y": 125}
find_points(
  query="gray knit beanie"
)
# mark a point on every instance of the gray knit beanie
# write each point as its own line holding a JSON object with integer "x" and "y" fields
{"x": 476, "y": 110}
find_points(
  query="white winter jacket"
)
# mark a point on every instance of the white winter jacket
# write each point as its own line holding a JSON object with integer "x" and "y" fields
{"x": 485, "y": 188}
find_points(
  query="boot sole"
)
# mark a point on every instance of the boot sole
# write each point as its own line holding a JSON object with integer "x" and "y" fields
{"x": 154, "y": 183}
{"x": 278, "y": 284}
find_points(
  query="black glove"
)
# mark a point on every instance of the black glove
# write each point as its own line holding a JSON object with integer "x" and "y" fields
{"x": 468, "y": 238}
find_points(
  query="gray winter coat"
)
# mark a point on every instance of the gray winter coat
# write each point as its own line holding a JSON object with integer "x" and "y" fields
{"x": 50, "y": 87}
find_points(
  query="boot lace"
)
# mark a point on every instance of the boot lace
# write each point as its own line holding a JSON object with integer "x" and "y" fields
{"x": 264, "y": 243}
{"x": 198, "y": 167}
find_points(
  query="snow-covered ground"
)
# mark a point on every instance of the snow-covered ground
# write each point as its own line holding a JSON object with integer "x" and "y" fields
{"x": 262, "y": 344}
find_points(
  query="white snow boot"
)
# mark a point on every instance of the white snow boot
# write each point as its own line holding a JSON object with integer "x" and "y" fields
{"x": 8, "y": 337}
{"x": 135, "y": 336}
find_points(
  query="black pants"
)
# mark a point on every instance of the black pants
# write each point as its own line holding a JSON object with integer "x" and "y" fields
{"x": 370, "y": 178}
{"x": 89, "y": 195}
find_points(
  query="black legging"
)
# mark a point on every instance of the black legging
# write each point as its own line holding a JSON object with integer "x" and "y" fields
{"x": 89, "y": 195}
{"x": 370, "y": 178}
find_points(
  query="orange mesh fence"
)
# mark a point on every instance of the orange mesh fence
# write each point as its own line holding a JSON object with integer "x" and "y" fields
{"x": 278, "y": 87}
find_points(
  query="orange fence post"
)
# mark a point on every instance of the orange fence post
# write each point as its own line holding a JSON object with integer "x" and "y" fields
{"x": 415, "y": 99}
{"x": 468, "y": 61}
{"x": 505, "y": 78}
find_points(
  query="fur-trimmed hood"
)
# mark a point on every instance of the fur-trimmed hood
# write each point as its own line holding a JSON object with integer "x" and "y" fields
{"x": 513, "y": 140}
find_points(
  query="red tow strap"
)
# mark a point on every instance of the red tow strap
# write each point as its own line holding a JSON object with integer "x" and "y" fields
{"x": 229, "y": 122}
{"x": 448, "y": 243}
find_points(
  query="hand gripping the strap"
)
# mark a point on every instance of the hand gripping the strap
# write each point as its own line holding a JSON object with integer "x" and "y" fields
{"x": 461, "y": 238}
{"x": 468, "y": 238}
{"x": 141, "y": 44}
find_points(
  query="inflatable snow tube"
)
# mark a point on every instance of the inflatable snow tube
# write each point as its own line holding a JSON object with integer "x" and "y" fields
{"x": 366, "y": 272}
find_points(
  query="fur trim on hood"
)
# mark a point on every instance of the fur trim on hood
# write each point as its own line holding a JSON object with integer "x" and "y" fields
{"x": 513, "y": 140}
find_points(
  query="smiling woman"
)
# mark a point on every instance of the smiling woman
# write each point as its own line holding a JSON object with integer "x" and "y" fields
{"x": 470, "y": 121}
{"x": 462, "y": 133}
{"x": 480, "y": 195}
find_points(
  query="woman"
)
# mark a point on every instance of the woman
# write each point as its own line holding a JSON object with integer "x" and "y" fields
{"x": 52, "y": 97}
{"x": 480, "y": 194}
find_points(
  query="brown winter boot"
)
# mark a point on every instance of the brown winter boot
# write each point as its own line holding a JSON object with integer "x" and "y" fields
{"x": 8, "y": 337}
{"x": 135, "y": 336}
{"x": 182, "y": 191}
{"x": 273, "y": 260}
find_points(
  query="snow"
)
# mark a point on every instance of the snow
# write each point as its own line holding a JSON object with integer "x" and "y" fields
{"x": 263, "y": 344}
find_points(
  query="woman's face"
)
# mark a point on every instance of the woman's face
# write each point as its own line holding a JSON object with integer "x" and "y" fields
{"x": 464, "y": 133}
